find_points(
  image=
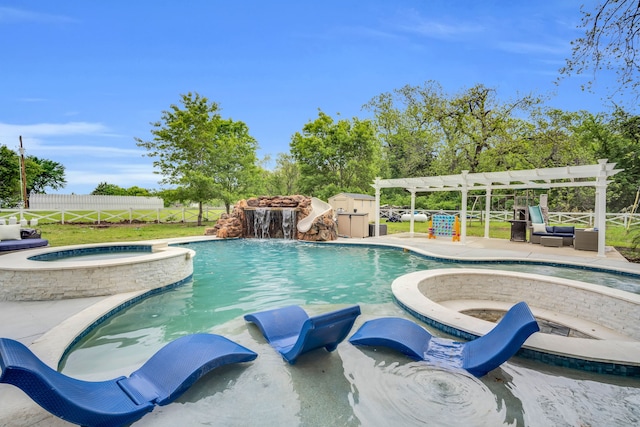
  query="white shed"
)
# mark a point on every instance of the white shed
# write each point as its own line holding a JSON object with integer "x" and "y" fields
{"x": 353, "y": 202}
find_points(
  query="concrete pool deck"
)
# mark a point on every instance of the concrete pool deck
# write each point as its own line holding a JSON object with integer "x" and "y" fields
{"x": 40, "y": 323}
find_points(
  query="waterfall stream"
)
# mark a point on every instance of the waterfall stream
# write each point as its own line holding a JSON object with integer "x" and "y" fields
{"x": 270, "y": 223}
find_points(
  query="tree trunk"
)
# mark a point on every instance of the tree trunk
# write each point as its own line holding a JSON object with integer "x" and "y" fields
{"x": 199, "y": 214}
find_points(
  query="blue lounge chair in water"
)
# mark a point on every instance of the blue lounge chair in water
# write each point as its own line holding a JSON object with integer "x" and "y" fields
{"x": 292, "y": 332}
{"x": 477, "y": 357}
{"x": 121, "y": 401}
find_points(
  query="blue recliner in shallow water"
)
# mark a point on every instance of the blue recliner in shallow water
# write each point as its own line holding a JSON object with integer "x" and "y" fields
{"x": 121, "y": 401}
{"x": 478, "y": 356}
{"x": 292, "y": 332}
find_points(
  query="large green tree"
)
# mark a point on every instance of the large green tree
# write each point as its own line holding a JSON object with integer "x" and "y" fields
{"x": 43, "y": 174}
{"x": 40, "y": 173}
{"x": 474, "y": 123}
{"x": 617, "y": 138}
{"x": 407, "y": 122}
{"x": 205, "y": 156}
{"x": 427, "y": 132}
{"x": 284, "y": 179}
{"x": 9, "y": 177}
{"x": 336, "y": 156}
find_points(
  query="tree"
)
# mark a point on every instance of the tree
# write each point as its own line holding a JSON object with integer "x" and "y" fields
{"x": 283, "y": 180}
{"x": 406, "y": 120}
{"x": 106, "y": 189}
{"x": 474, "y": 123}
{"x": 40, "y": 173}
{"x": 618, "y": 140}
{"x": 43, "y": 173}
{"x": 610, "y": 42}
{"x": 205, "y": 156}
{"x": 426, "y": 132}
{"x": 336, "y": 156}
{"x": 9, "y": 177}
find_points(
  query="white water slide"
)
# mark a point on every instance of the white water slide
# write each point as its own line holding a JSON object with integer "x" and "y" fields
{"x": 318, "y": 208}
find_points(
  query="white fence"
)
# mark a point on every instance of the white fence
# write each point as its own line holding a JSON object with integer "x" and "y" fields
{"x": 190, "y": 214}
{"x": 579, "y": 218}
{"x": 73, "y": 201}
{"x": 98, "y": 216}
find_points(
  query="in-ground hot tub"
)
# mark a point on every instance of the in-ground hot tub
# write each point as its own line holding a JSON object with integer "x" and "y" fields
{"x": 92, "y": 270}
{"x": 602, "y": 323}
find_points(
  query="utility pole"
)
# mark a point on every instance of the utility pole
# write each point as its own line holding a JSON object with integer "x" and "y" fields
{"x": 23, "y": 177}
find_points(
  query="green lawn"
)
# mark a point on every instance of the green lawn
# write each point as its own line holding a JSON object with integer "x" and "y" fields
{"x": 616, "y": 235}
{"x": 74, "y": 234}
{"x": 77, "y": 234}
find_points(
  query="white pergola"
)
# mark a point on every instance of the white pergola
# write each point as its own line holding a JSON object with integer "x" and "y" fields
{"x": 570, "y": 176}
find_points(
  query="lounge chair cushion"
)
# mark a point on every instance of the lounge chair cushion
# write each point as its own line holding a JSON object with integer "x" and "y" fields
{"x": 120, "y": 401}
{"x": 558, "y": 229}
{"x": 10, "y": 232}
{"x": 292, "y": 332}
{"x": 16, "y": 245}
{"x": 539, "y": 228}
{"x": 478, "y": 357}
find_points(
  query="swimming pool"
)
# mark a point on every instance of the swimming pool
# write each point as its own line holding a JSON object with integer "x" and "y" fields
{"x": 350, "y": 386}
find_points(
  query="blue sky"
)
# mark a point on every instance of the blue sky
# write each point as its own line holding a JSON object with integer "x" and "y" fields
{"x": 80, "y": 79}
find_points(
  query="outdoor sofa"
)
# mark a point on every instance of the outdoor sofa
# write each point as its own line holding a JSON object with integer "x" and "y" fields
{"x": 536, "y": 231}
{"x": 13, "y": 238}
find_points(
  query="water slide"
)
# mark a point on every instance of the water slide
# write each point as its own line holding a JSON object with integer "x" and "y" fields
{"x": 318, "y": 208}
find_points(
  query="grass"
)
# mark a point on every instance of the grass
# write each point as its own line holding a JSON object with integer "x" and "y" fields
{"x": 75, "y": 234}
{"x": 617, "y": 235}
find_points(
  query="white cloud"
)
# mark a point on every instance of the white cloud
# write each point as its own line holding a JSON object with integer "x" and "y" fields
{"x": 14, "y": 15}
{"x": 535, "y": 48}
{"x": 92, "y": 151}
{"x": 441, "y": 30}
{"x": 36, "y": 140}
{"x": 52, "y": 129}
{"x": 80, "y": 180}
{"x": 412, "y": 21}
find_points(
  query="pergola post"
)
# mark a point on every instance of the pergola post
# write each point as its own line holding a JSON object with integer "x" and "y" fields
{"x": 487, "y": 213}
{"x": 463, "y": 213}
{"x": 601, "y": 206}
{"x": 413, "y": 207}
{"x": 376, "y": 186}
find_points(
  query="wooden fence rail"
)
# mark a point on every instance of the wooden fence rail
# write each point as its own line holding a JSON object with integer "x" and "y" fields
{"x": 574, "y": 218}
{"x": 169, "y": 215}
{"x": 98, "y": 216}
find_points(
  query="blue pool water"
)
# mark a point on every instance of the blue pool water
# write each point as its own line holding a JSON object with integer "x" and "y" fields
{"x": 232, "y": 278}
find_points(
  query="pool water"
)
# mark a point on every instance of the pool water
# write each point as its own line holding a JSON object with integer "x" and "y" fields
{"x": 353, "y": 386}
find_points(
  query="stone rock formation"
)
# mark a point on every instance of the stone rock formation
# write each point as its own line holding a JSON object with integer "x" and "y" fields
{"x": 234, "y": 225}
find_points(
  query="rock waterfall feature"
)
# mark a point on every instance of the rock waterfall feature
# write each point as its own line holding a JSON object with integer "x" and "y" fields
{"x": 274, "y": 218}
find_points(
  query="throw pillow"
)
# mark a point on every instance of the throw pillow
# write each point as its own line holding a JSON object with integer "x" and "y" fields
{"x": 539, "y": 227}
{"x": 10, "y": 232}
